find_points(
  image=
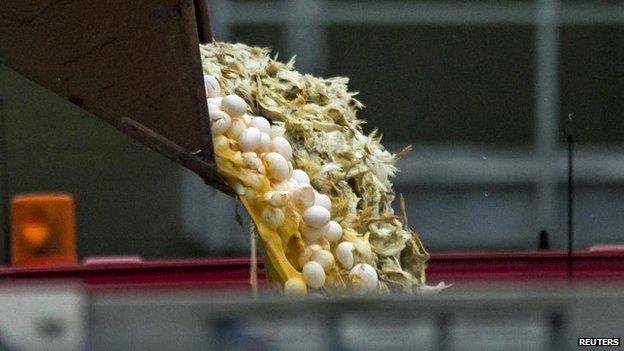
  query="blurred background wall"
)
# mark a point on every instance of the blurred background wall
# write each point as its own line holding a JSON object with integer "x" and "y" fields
{"x": 485, "y": 91}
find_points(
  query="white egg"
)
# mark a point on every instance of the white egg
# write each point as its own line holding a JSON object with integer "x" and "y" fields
{"x": 301, "y": 176}
{"x": 295, "y": 287}
{"x": 249, "y": 140}
{"x": 237, "y": 158}
{"x": 323, "y": 201}
{"x": 240, "y": 189}
{"x": 311, "y": 234}
{"x": 282, "y": 146}
{"x": 273, "y": 217}
{"x": 234, "y": 105}
{"x": 246, "y": 118}
{"x": 216, "y": 101}
{"x": 334, "y": 232}
{"x": 344, "y": 254}
{"x": 286, "y": 185}
{"x": 324, "y": 258}
{"x": 307, "y": 254}
{"x": 253, "y": 180}
{"x": 315, "y": 247}
{"x": 304, "y": 195}
{"x": 213, "y": 109}
{"x": 236, "y": 129}
{"x": 364, "y": 278}
{"x": 277, "y": 130}
{"x": 304, "y": 257}
{"x": 316, "y": 216}
{"x": 218, "y": 114}
{"x": 261, "y": 123}
{"x": 212, "y": 86}
{"x": 253, "y": 161}
{"x": 220, "y": 143}
{"x": 278, "y": 168}
{"x": 220, "y": 123}
{"x": 276, "y": 198}
{"x": 314, "y": 274}
{"x": 265, "y": 143}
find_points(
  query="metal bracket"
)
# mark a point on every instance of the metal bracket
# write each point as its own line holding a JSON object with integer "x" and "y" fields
{"x": 5, "y": 235}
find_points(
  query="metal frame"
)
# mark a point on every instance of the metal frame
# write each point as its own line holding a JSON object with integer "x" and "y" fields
{"x": 543, "y": 167}
{"x": 560, "y": 314}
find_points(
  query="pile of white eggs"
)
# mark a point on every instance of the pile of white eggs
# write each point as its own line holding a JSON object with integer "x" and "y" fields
{"x": 266, "y": 151}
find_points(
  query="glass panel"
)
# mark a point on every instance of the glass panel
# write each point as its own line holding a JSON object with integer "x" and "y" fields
{"x": 260, "y": 35}
{"x": 478, "y": 2}
{"x": 440, "y": 84}
{"x": 592, "y": 83}
{"x": 479, "y": 217}
{"x": 598, "y": 215}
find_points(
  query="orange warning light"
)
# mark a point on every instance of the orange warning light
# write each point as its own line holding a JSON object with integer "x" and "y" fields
{"x": 43, "y": 230}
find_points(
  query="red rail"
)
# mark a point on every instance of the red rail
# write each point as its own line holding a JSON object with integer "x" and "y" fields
{"x": 530, "y": 265}
{"x": 233, "y": 273}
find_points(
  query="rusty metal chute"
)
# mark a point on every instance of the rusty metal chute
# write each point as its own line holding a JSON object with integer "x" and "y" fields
{"x": 135, "y": 64}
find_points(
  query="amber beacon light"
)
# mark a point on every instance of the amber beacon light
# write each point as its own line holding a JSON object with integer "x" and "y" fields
{"x": 43, "y": 230}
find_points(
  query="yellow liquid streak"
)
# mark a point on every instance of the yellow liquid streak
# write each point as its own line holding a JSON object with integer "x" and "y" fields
{"x": 275, "y": 241}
